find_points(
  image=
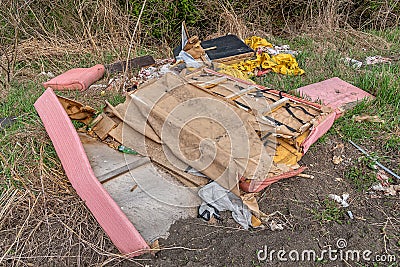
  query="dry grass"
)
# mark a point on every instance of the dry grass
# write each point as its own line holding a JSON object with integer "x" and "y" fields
{"x": 42, "y": 219}
{"x": 347, "y": 39}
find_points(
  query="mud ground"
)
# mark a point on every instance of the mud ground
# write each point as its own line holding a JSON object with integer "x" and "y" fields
{"x": 310, "y": 221}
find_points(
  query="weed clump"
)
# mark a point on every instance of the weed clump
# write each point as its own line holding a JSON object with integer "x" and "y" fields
{"x": 361, "y": 176}
{"x": 331, "y": 212}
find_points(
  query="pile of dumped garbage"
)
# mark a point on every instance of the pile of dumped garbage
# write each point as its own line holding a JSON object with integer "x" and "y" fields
{"x": 198, "y": 118}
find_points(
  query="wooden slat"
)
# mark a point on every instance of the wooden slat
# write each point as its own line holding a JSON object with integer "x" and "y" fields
{"x": 234, "y": 59}
{"x": 277, "y": 104}
{"x": 123, "y": 169}
{"x": 241, "y": 92}
{"x": 213, "y": 83}
{"x": 138, "y": 62}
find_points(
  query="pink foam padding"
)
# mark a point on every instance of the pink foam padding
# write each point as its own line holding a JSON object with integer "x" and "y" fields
{"x": 256, "y": 186}
{"x": 318, "y": 131}
{"x": 79, "y": 172}
{"x": 334, "y": 93}
{"x": 76, "y": 79}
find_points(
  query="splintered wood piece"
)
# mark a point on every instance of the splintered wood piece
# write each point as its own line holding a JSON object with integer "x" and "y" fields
{"x": 138, "y": 62}
{"x": 277, "y": 104}
{"x": 212, "y": 83}
{"x": 104, "y": 126}
{"x": 241, "y": 92}
{"x": 210, "y": 48}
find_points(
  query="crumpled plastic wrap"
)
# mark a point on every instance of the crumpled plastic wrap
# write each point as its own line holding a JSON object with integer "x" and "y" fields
{"x": 216, "y": 199}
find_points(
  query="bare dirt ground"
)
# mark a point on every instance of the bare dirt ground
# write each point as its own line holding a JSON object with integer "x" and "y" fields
{"x": 305, "y": 212}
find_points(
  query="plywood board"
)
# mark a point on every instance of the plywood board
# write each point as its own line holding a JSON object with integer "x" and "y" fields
{"x": 151, "y": 198}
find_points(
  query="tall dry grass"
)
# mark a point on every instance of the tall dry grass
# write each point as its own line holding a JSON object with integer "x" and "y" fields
{"x": 99, "y": 23}
{"x": 50, "y": 29}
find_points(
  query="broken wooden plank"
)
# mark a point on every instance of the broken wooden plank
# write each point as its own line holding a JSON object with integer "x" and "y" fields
{"x": 236, "y": 95}
{"x": 104, "y": 126}
{"x": 212, "y": 83}
{"x": 138, "y": 62}
{"x": 277, "y": 104}
{"x": 123, "y": 169}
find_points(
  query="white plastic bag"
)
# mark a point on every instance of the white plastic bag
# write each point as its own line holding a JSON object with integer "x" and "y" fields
{"x": 216, "y": 198}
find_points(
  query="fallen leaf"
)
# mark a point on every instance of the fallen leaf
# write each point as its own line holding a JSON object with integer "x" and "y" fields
{"x": 390, "y": 190}
{"x": 213, "y": 221}
{"x": 340, "y": 145}
{"x": 155, "y": 247}
{"x": 381, "y": 176}
{"x": 255, "y": 222}
{"x": 368, "y": 118}
{"x": 337, "y": 160}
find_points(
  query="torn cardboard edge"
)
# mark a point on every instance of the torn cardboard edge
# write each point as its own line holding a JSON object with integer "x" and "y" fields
{"x": 79, "y": 172}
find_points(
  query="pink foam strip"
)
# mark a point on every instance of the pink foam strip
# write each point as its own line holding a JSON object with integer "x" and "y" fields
{"x": 76, "y": 79}
{"x": 256, "y": 186}
{"x": 318, "y": 131}
{"x": 79, "y": 172}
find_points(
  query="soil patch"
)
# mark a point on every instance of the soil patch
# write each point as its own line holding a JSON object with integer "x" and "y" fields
{"x": 310, "y": 220}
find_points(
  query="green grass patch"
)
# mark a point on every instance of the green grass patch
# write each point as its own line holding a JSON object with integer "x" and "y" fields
{"x": 331, "y": 212}
{"x": 362, "y": 175}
